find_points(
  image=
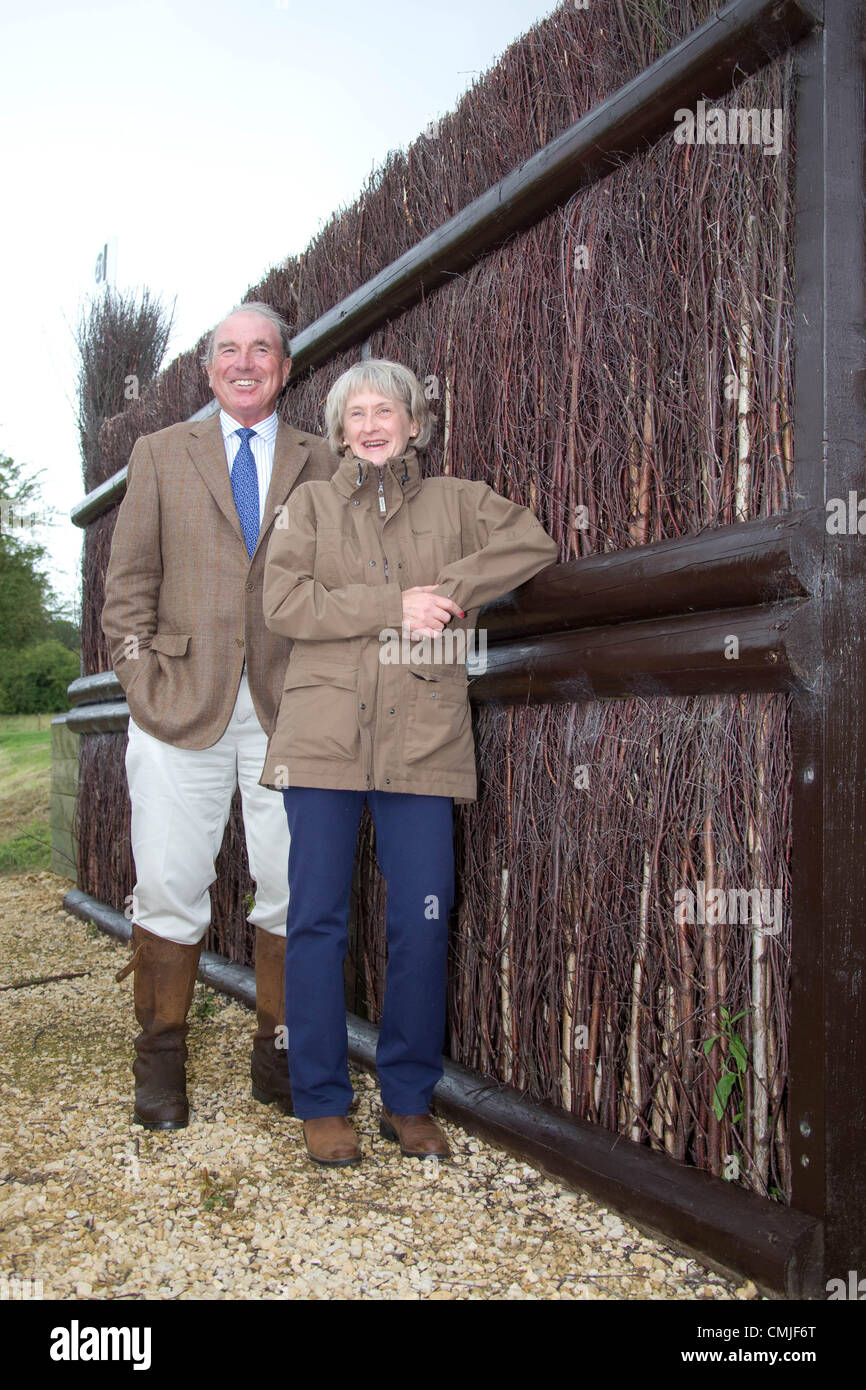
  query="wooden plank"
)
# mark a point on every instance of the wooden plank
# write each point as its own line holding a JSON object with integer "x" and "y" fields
{"x": 740, "y": 38}
{"x": 806, "y": 1054}
{"x": 99, "y": 719}
{"x": 88, "y": 690}
{"x": 829, "y": 961}
{"x": 110, "y": 493}
{"x": 670, "y": 656}
{"x": 756, "y": 562}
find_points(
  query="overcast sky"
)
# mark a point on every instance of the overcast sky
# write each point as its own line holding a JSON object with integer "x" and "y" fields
{"x": 212, "y": 140}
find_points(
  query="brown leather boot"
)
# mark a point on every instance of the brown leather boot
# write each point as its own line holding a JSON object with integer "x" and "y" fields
{"x": 269, "y": 1065}
{"x": 331, "y": 1141}
{"x": 165, "y": 975}
{"x": 419, "y": 1136}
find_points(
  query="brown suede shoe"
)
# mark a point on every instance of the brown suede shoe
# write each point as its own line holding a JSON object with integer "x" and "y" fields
{"x": 269, "y": 1066}
{"x": 419, "y": 1136}
{"x": 331, "y": 1141}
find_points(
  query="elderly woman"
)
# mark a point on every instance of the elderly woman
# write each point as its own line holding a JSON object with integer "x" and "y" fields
{"x": 378, "y": 552}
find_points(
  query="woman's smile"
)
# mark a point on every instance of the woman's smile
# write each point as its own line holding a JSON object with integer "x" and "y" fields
{"x": 377, "y": 427}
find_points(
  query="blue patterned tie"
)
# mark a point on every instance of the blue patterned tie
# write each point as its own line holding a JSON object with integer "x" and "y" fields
{"x": 245, "y": 487}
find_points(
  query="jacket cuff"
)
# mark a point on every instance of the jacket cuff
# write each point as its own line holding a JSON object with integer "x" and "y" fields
{"x": 393, "y": 606}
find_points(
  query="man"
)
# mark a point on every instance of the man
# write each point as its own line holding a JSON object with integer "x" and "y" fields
{"x": 203, "y": 677}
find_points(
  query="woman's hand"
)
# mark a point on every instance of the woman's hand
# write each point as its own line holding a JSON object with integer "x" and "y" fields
{"x": 426, "y": 613}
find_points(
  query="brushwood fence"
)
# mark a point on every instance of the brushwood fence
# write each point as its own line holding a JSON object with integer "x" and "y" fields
{"x": 636, "y": 330}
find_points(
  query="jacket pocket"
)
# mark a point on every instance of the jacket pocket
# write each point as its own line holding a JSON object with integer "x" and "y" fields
{"x": 433, "y": 551}
{"x": 439, "y": 725}
{"x": 337, "y": 559}
{"x": 170, "y": 643}
{"x": 318, "y": 715}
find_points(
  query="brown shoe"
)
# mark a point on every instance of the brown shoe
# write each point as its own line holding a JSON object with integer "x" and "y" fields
{"x": 331, "y": 1141}
{"x": 269, "y": 1064}
{"x": 165, "y": 974}
{"x": 419, "y": 1136}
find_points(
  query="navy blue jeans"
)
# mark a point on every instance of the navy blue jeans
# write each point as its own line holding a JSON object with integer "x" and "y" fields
{"x": 415, "y": 850}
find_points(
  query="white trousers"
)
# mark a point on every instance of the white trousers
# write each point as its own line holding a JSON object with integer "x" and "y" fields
{"x": 181, "y": 799}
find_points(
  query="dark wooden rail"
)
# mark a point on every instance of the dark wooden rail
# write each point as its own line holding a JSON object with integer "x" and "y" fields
{"x": 756, "y": 562}
{"x": 736, "y": 41}
{"x": 737, "y": 651}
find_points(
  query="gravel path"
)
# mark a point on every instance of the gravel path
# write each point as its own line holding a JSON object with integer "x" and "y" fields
{"x": 97, "y": 1207}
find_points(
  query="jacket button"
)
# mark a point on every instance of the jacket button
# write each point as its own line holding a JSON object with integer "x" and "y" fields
{"x": 387, "y": 781}
{"x": 433, "y": 694}
{"x": 399, "y": 564}
{"x": 250, "y": 587}
{"x": 363, "y": 706}
{"x": 373, "y": 563}
{"x": 239, "y": 641}
{"x": 356, "y": 501}
{"x": 390, "y": 711}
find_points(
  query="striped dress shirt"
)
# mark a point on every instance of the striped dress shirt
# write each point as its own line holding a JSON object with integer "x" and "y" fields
{"x": 262, "y": 445}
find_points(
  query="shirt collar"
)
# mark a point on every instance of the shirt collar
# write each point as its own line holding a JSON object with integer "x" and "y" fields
{"x": 265, "y": 429}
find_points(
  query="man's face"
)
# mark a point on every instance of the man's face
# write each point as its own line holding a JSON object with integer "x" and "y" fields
{"x": 248, "y": 370}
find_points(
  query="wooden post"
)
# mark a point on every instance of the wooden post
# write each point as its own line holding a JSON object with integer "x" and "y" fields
{"x": 828, "y": 1004}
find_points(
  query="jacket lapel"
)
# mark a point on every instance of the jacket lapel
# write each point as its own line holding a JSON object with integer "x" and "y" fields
{"x": 209, "y": 456}
{"x": 291, "y": 452}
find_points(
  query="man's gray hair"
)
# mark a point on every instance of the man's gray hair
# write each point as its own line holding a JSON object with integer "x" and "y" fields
{"x": 254, "y": 307}
{"x": 389, "y": 379}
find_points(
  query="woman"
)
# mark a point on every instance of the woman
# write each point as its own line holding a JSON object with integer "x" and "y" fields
{"x": 375, "y": 554}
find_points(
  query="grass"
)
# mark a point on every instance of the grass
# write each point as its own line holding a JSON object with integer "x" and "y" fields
{"x": 25, "y": 789}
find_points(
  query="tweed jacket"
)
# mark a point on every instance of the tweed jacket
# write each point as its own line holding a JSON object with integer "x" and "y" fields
{"x": 183, "y": 600}
{"x": 360, "y": 710}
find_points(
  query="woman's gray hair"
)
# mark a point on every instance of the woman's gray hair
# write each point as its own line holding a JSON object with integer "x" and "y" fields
{"x": 389, "y": 379}
{"x": 254, "y": 307}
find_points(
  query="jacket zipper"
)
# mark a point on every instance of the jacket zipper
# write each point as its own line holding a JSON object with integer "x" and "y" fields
{"x": 383, "y": 509}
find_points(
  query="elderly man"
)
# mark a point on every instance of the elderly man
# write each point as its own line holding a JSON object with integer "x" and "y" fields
{"x": 203, "y": 677}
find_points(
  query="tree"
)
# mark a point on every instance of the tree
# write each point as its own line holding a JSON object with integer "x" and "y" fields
{"x": 25, "y": 593}
{"x": 29, "y": 611}
{"x": 34, "y": 679}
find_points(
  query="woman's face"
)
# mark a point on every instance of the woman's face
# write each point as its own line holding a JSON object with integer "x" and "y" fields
{"x": 377, "y": 427}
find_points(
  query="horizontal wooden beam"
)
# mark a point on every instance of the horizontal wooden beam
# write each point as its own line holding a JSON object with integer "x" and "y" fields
{"x": 88, "y": 690}
{"x": 105, "y": 718}
{"x": 740, "y": 38}
{"x": 214, "y": 970}
{"x": 738, "y": 651}
{"x": 755, "y": 562}
{"x": 725, "y": 1227}
{"x": 731, "y": 651}
{"x": 110, "y": 493}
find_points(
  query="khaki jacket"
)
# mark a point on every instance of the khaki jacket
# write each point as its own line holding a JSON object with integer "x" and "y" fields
{"x": 352, "y": 717}
{"x": 183, "y": 600}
